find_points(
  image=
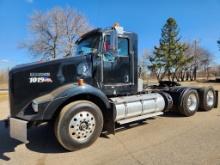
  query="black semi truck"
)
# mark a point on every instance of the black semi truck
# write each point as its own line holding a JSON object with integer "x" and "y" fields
{"x": 94, "y": 91}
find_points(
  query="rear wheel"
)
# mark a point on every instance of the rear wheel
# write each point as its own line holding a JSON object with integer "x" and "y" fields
{"x": 190, "y": 103}
{"x": 207, "y": 97}
{"x": 78, "y": 125}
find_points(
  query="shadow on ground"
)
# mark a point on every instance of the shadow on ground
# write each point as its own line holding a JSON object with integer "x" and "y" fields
{"x": 208, "y": 81}
{"x": 171, "y": 114}
{"x": 175, "y": 114}
{"x": 41, "y": 140}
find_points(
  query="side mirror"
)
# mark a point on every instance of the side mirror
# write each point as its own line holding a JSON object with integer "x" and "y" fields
{"x": 114, "y": 41}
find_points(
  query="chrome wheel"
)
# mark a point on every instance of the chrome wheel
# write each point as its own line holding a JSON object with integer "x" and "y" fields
{"x": 210, "y": 98}
{"x": 82, "y": 126}
{"x": 192, "y": 102}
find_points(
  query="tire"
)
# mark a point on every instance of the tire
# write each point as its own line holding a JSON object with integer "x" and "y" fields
{"x": 78, "y": 125}
{"x": 189, "y": 103}
{"x": 207, "y": 98}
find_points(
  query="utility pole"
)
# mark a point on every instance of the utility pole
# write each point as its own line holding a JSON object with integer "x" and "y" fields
{"x": 196, "y": 62}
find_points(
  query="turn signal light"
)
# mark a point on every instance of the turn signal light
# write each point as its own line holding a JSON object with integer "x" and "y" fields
{"x": 81, "y": 82}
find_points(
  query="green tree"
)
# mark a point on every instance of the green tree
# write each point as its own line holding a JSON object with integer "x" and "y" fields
{"x": 169, "y": 56}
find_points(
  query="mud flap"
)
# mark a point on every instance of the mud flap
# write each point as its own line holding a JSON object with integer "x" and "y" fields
{"x": 216, "y": 99}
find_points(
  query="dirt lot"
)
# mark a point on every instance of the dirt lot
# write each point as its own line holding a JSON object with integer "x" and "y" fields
{"x": 168, "y": 139}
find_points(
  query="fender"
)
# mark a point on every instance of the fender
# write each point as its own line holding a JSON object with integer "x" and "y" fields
{"x": 62, "y": 94}
{"x": 70, "y": 91}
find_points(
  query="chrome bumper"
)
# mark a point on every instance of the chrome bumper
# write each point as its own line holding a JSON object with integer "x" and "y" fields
{"x": 18, "y": 129}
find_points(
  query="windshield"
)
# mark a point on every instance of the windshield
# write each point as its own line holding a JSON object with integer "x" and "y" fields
{"x": 88, "y": 45}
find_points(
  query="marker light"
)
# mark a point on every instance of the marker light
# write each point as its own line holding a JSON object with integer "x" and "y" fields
{"x": 116, "y": 24}
{"x": 118, "y": 28}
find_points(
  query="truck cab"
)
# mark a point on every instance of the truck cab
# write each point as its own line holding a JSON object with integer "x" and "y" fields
{"x": 114, "y": 60}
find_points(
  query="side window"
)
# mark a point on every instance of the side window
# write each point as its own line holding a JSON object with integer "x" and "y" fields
{"x": 123, "y": 47}
{"x": 108, "y": 56}
{"x": 107, "y": 43}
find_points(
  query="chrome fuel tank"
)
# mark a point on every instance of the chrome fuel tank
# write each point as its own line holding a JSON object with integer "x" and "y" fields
{"x": 130, "y": 106}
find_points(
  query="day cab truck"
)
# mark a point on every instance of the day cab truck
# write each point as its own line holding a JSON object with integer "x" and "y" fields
{"x": 94, "y": 91}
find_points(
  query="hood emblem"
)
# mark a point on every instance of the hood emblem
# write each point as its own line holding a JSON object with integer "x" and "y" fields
{"x": 40, "y": 78}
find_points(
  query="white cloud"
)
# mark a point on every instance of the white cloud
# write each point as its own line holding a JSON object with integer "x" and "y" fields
{"x": 4, "y": 61}
{"x": 30, "y": 1}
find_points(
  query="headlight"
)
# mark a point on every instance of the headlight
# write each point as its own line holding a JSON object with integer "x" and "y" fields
{"x": 83, "y": 69}
{"x": 35, "y": 106}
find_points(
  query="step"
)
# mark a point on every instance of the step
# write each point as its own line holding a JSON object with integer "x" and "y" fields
{"x": 136, "y": 118}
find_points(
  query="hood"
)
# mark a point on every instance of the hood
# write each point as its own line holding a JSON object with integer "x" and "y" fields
{"x": 28, "y": 81}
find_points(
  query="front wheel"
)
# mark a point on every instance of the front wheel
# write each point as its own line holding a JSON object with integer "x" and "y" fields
{"x": 78, "y": 125}
{"x": 189, "y": 103}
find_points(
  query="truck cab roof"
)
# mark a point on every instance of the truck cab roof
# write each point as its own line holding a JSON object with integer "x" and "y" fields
{"x": 96, "y": 31}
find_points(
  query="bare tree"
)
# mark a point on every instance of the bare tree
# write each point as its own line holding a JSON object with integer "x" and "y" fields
{"x": 188, "y": 70}
{"x": 143, "y": 64}
{"x": 205, "y": 61}
{"x": 201, "y": 60}
{"x": 53, "y": 33}
{"x": 4, "y": 76}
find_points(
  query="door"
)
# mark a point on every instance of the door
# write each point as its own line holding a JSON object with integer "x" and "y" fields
{"x": 116, "y": 65}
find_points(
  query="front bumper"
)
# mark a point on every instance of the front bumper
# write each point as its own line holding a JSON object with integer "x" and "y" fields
{"x": 18, "y": 129}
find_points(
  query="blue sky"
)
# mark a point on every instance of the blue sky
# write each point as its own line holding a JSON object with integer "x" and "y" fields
{"x": 197, "y": 19}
